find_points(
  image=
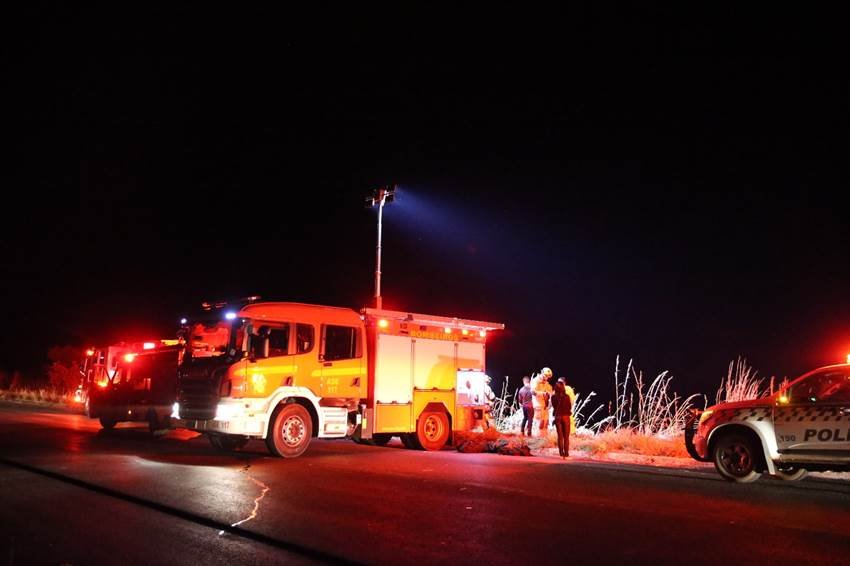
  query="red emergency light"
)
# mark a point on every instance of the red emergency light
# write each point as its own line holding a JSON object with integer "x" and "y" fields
{"x": 90, "y": 352}
{"x": 129, "y": 357}
{"x": 149, "y": 345}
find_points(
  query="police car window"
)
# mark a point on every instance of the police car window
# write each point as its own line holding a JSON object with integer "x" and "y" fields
{"x": 824, "y": 387}
{"x": 340, "y": 342}
{"x": 305, "y": 336}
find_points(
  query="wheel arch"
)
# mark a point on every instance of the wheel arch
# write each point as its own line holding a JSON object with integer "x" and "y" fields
{"x": 297, "y": 395}
{"x": 750, "y": 431}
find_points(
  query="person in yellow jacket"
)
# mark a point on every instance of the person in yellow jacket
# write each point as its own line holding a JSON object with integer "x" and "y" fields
{"x": 542, "y": 392}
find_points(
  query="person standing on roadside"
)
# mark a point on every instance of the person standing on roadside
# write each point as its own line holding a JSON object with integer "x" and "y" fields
{"x": 562, "y": 411}
{"x": 524, "y": 397}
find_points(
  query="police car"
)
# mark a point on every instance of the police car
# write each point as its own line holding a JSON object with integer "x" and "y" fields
{"x": 803, "y": 427}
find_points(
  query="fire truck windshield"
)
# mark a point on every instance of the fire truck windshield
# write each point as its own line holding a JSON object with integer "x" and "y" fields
{"x": 208, "y": 339}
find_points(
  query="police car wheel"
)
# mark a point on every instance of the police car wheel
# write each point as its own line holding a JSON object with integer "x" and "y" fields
{"x": 290, "y": 431}
{"x": 791, "y": 473}
{"x": 735, "y": 458}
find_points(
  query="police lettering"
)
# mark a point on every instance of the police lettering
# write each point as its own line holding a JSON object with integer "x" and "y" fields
{"x": 826, "y": 435}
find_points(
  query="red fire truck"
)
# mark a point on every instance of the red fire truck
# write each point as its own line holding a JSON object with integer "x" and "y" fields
{"x": 290, "y": 372}
{"x": 131, "y": 382}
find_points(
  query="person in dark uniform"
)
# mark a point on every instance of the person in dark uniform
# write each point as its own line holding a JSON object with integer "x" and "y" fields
{"x": 523, "y": 397}
{"x": 562, "y": 410}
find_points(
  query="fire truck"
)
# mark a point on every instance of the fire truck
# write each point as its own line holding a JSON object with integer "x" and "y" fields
{"x": 291, "y": 372}
{"x": 131, "y": 382}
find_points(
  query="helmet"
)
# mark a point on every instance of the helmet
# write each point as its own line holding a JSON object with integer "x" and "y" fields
{"x": 546, "y": 372}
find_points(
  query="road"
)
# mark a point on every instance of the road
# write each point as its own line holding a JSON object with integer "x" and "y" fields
{"x": 73, "y": 494}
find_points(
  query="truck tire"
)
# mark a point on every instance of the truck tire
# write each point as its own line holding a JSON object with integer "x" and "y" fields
{"x": 290, "y": 431}
{"x": 108, "y": 423}
{"x": 156, "y": 426}
{"x": 432, "y": 430}
{"x": 736, "y": 458}
{"x": 381, "y": 439}
{"x": 227, "y": 442}
{"x": 409, "y": 441}
{"x": 791, "y": 473}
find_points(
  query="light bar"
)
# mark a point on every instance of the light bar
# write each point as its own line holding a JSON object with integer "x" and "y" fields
{"x": 148, "y": 345}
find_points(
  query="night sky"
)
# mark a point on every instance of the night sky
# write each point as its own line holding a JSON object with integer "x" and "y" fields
{"x": 599, "y": 183}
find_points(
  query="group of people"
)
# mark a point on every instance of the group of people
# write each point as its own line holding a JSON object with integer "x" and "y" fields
{"x": 536, "y": 396}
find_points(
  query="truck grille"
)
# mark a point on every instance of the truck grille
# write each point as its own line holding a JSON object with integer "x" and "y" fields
{"x": 197, "y": 393}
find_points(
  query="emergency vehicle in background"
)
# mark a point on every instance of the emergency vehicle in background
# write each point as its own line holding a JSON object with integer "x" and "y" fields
{"x": 290, "y": 372}
{"x": 803, "y": 427}
{"x": 131, "y": 382}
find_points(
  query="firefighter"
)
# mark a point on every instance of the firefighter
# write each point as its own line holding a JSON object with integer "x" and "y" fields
{"x": 542, "y": 392}
{"x": 524, "y": 397}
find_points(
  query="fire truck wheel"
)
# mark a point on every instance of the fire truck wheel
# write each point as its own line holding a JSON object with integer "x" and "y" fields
{"x": 381, "y": 439}
{"x": 108, "y": 423}
{"x": 290, "y": 431}
{"x": 735, "y": 458}
{"x": 409, "y": 441}
{"x": 432, "y": 430}
{"x": 791, "y": 473}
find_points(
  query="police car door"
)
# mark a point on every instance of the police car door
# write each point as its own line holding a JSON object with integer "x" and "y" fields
{"x": 813, "y": 414}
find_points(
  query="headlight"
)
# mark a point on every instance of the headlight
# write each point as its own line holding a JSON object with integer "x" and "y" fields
{"x": 175, "y": 411}
{"x": 226, "y": 412}
{"x": 704, "y": 416}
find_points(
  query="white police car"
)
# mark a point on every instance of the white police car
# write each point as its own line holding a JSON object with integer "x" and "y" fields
{"x": 803, "y": 427}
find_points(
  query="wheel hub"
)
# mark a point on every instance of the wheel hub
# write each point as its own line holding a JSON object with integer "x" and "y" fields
{"x": 292, "y": 431}
{"x": 433, "y": 428}
{"x": 737, "y": 459}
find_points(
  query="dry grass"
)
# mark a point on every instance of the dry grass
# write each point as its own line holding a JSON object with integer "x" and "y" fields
{"x": 593, "y": 445}
{"x": 43, "y": 396}
{"x": 630, "y": 442}
{"x": 649, "y": 408}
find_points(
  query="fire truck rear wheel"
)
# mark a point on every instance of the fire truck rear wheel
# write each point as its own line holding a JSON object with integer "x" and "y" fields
{"x": 791, "y": 473}
{"x": 108, "y": 423}
{"x": 736, "y": 459}
{"x": 432, "y": 430}
{"x": 290, "y": 431}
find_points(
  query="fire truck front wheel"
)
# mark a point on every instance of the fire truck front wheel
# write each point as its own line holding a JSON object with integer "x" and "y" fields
{"x": 432, "y": 430}
{"x": 290, "y": 431}
{"x": 108, "y": 423}
{"x": 736, "y": 458}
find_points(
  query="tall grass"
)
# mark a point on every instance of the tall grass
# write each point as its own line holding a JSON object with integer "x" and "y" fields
{"x": 647, "y": 407}
{"x": 742, "y": 383}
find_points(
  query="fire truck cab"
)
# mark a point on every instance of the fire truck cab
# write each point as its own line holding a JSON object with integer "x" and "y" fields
{"x": 290, "y": 372}
{"x": 133, "y": 382}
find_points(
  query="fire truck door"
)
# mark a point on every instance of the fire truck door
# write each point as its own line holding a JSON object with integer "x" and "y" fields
{"x": 341, "y": 355}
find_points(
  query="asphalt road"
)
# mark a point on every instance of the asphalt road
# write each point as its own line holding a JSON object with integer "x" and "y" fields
{"x": 70, "y": 493}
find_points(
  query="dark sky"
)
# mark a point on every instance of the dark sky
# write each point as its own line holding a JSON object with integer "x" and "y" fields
{"x": 601, "y": 183}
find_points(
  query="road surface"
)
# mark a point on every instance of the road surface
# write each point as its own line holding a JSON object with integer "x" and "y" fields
{"x": 73, "y": 494}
